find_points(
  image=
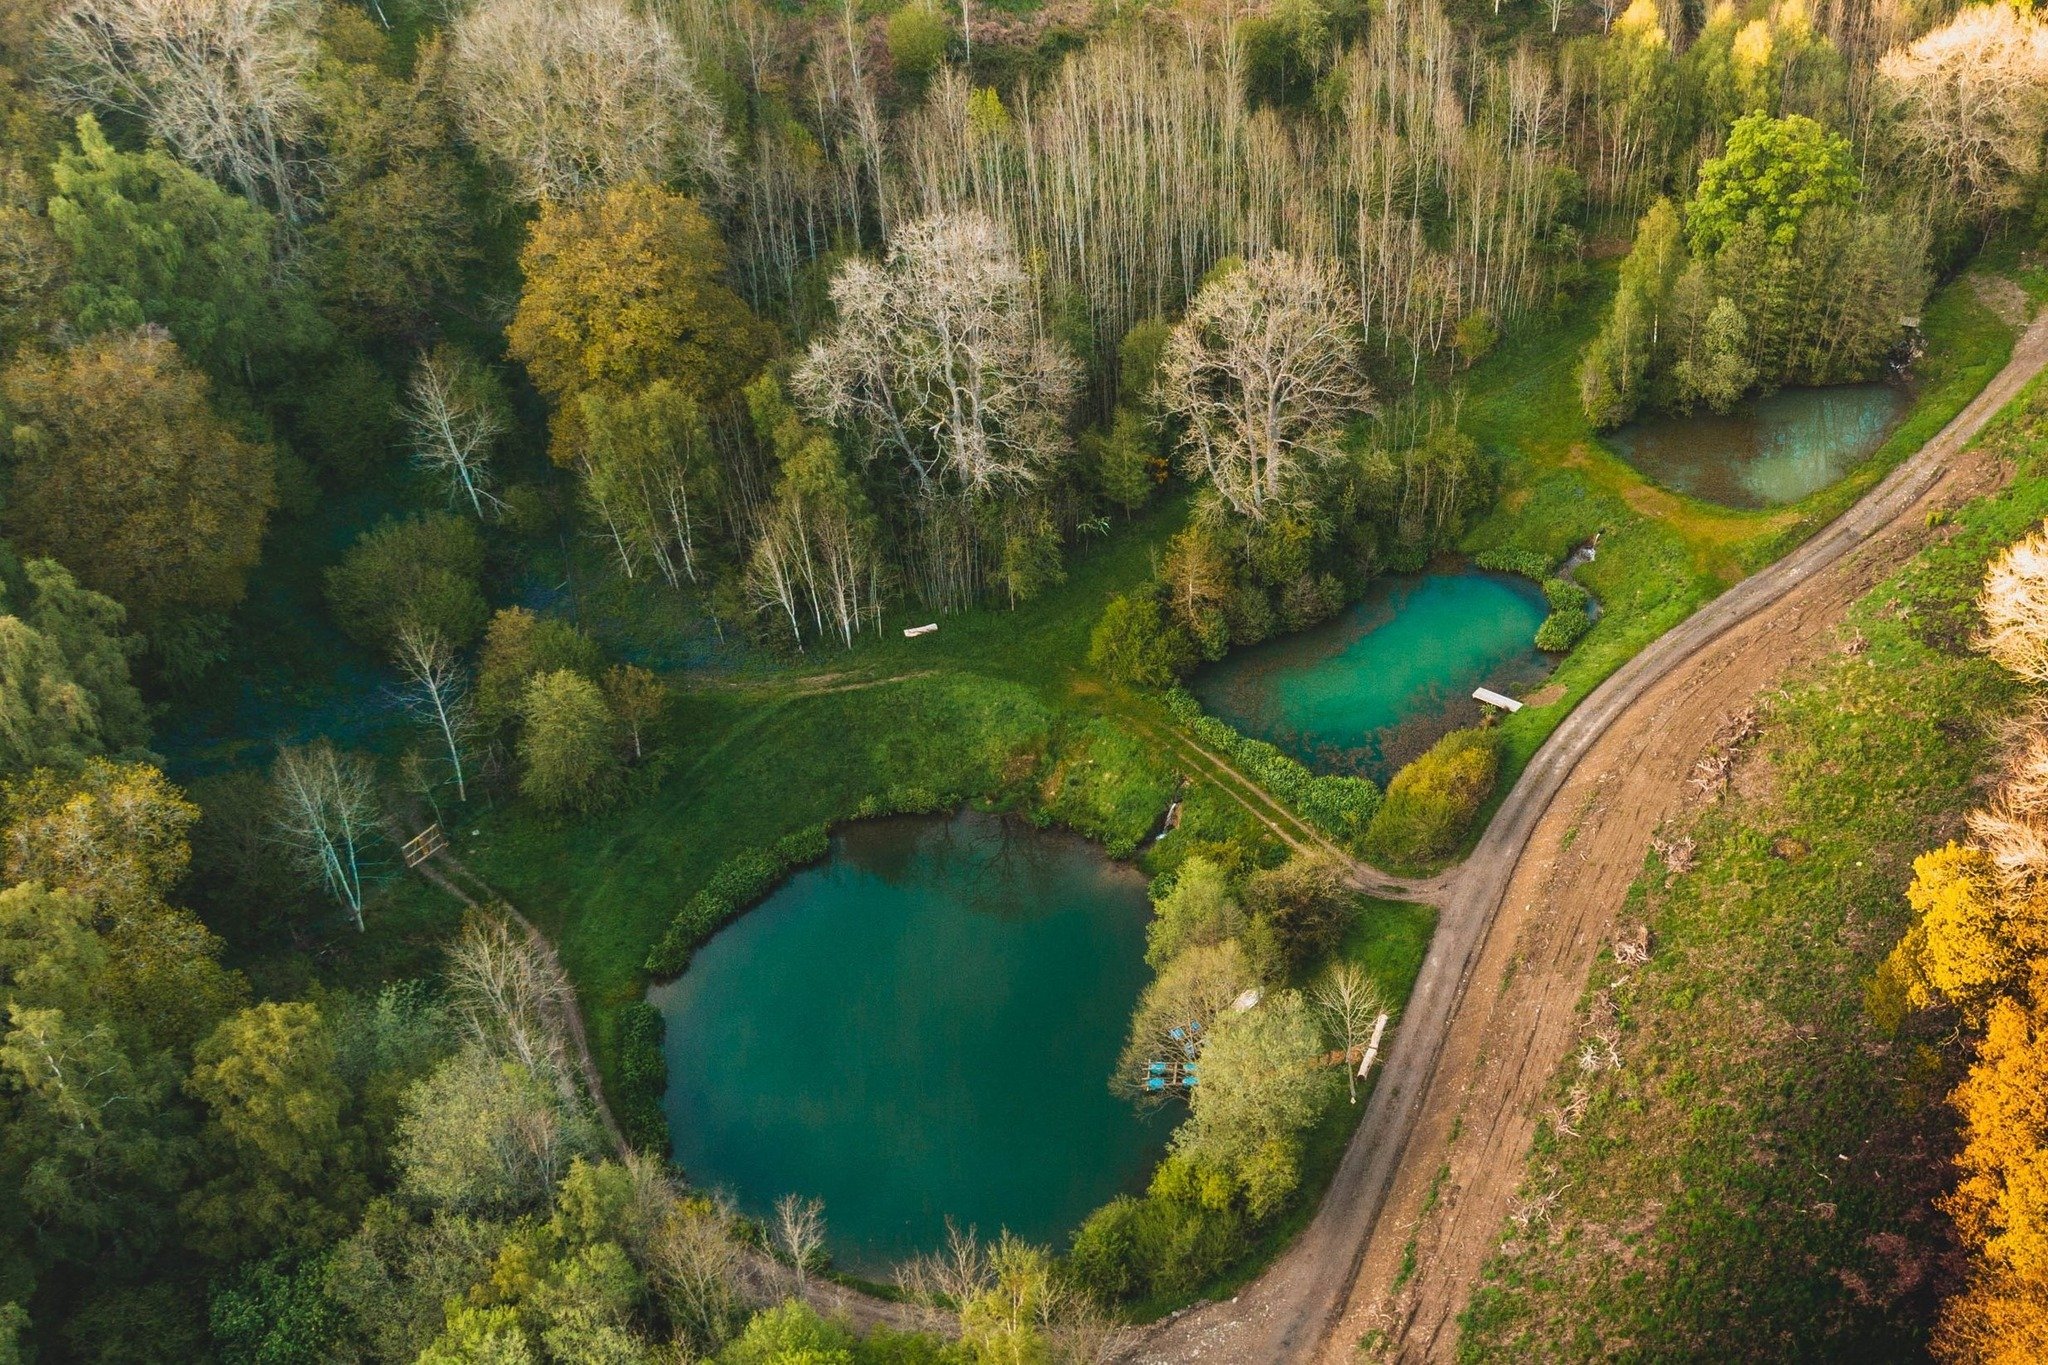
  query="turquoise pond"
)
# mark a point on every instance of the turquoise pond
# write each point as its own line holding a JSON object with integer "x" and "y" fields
{"x": 1774, "y": 450}
{"x": 921, "y": 1027}
{"x": 1367, "y": 691}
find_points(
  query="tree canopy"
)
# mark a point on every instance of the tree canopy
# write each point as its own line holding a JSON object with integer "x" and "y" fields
{"x": 1773, "y": 172}
{"x": 624, "y": 289}
{"x": 124, "y": 474}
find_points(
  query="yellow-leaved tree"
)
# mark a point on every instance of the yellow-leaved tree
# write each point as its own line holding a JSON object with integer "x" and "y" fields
{"x": 1955, "y": 953}
{"x": 623, "y": 289}
{"x": 2001, "y": 1204}
{"x": 1979, "y": 944}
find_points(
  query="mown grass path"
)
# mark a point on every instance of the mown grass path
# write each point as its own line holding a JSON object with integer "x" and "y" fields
{"x": 1289, "y": 1313}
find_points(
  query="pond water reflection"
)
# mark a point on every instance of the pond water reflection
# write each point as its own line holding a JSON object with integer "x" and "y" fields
{"x": 1772, "y": 451}
{"x": 1368, "y": 690}
{"x": 921, "y": 1027}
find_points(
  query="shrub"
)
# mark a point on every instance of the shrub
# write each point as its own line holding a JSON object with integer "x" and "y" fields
{"x": 643, "y": 1076}
{"x": 1565, "y": 595}
{"x": 519, "y": 646}
{"x": 1306, "y": 903}
{"x": 344, "y": 415}
{"x": 1160, "y": 1244}
{"x": 1527, "y": 563}
{"x": 1561, "y": 630}
{"x": 422, "y": 570}
{"x": 1570, "y": 615}
{"x": 1134, "y": 644}
{"x": 917, "y": 36}
{"x": 738, "y": 883}
{"x": 1430, "y": 803}
{"x": 1475, "y": 338}
{"x": 1341, "y": 807}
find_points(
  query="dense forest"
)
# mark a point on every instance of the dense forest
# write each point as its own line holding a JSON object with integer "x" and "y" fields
{"x": 334, "y": 334}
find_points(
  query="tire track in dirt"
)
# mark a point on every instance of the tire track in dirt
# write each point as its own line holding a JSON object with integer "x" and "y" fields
{"x": 1539, "y": 894}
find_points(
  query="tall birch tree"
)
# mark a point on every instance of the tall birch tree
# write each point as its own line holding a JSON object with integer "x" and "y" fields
{"x": 326, "y": 815}
{"x": 455, "y": 414}
{"x": 437, "y": 692}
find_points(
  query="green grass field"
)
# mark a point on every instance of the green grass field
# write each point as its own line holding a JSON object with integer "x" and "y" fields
{"x": 1755, "y": 1180}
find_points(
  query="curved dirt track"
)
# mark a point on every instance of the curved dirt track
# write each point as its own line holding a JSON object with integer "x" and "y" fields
{"x": 1538, "y": 895}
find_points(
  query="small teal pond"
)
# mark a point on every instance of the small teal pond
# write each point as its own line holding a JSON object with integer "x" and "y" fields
{"x": 1368, "y": 690}
{"x": 922, "y": 1026}
{"x": 1772, "y": 451}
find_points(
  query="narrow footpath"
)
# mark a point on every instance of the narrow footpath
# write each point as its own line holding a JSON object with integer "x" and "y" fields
{"x": 1477, "y": 1059}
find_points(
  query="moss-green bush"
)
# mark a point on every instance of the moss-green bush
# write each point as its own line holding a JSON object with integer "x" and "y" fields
{"x": 1341, "y": 807}
{"x": 1527, "y": 563}
{"x": 1564, "y": 595}
{"x": 1430, "y": 803}
{"x": 1561, "y": 630}
{"x": 739, "y": 882}
{"x": 1138, "y": 1248}
{"x": 643, "y": 1076}
{"x": 917, "y": 36}
{"x": 419, "y": 571}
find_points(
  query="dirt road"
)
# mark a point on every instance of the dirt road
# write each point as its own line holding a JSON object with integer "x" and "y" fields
{"x": 1540, "y": 892}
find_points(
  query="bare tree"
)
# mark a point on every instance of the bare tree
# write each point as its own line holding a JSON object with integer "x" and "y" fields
{"x": 1972, "y": 104}
{"x": 223, "y": 82}
{"x": 698, "y": 1267}
{"x": 1263, "y": 371}
{"x": 512, "y": 995}
{"x": 938, "y": 1282}
{"x": 800, "y": 1236}
{"x": 577, "y": 95}
{"x": 326, "y": 814}
{"x": 1007, "y": 1300}
{"x": 2014, "y": 606}
{"x": 455, "y": 417}
{"x": 941, "y": 364}
{"x": 1349, "y": 1003}
{"x": 437, "y": 690}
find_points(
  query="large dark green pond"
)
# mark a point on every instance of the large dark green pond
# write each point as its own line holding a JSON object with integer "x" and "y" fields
{"x": 1774, "y": 450}
{"x": 921, "y": 1027}
{"x": 1368, "y": 690}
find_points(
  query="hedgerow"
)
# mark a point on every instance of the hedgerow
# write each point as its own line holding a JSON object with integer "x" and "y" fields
{"x": 643, "y": 1076}
{"x": 1341, "y": 807}
{"x": 739, "y": 882}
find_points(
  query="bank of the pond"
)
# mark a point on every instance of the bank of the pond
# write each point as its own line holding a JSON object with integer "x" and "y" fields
{"x": 1370, "y": 689}
{"x": 1662, "y": 554}
{"x": 920, "y": 1029}
{"x": 1769, "y": 451}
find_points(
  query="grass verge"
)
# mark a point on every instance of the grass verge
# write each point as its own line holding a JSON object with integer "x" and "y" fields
{"x": 1754, "y": 1179}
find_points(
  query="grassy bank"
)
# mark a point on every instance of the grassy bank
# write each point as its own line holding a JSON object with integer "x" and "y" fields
{"x": 1754, "y": 1179}
{"x": 1663, "y": 554}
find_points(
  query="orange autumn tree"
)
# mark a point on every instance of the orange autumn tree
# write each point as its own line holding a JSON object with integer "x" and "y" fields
{"x": 1979, "y": 944}
{"x": 2001, "y": 1204}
